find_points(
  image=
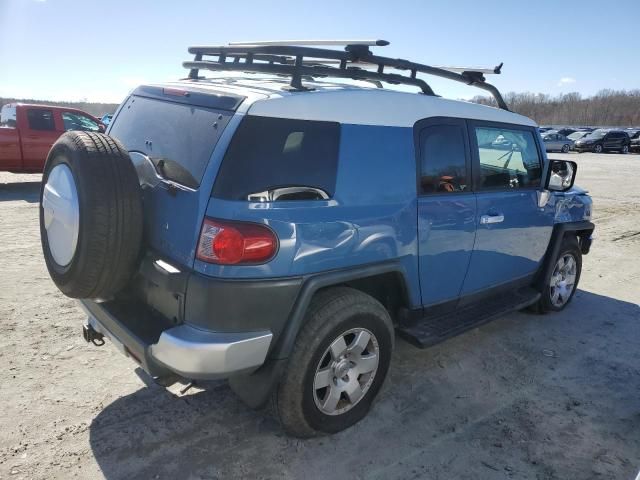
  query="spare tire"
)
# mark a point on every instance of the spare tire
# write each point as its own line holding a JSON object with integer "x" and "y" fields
{"x": 90, "y": 215}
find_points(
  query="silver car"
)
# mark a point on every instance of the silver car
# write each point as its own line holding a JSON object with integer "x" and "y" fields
{"x": 556, "y": 142}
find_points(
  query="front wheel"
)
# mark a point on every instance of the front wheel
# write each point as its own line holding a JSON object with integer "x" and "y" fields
{"x": 338, "y": 364}
{"x": 561, "y": 283}
{"x": 597, "y": 149}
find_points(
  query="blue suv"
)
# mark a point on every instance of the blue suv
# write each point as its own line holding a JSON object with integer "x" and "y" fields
{"x": 277, "y": 229}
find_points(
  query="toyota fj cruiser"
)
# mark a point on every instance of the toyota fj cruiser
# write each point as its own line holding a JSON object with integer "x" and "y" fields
{"x": 276, "y": 228}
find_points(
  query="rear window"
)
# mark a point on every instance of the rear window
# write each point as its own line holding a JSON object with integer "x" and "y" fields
{"x": 268, "y": 153}
{"x": 178, "y": 138}
{"x": 40, "y": 119}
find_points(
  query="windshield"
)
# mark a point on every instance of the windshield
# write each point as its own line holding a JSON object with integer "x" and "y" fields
{"x": 577, "y": 135}
{"x": 597, "y": 135}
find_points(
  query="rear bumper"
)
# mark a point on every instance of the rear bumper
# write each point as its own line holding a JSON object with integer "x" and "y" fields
{"x": 161, "y": 348}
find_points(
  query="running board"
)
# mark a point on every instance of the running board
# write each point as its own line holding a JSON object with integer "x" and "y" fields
{"x": 434, "y": 329}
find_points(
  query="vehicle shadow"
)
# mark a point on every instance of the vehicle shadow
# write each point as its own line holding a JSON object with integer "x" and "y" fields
{"x": 210, "y": 434}
{"x": 27, "y": 191}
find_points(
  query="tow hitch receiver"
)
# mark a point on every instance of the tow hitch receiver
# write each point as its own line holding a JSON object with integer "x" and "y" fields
{"x": 92, "y": 336}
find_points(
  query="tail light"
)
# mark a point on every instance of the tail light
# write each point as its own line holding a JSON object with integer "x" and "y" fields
{"x": 231, "y": 243}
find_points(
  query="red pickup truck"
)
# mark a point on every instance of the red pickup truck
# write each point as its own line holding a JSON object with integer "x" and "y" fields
{"x": 28, "y": 131}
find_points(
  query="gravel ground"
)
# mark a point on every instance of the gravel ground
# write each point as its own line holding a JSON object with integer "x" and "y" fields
{"x": 527, "y": 396}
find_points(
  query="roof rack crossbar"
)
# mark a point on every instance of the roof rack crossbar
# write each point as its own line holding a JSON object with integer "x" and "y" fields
{"x": 302, "y": 61}
{"x": 311, "y": 71}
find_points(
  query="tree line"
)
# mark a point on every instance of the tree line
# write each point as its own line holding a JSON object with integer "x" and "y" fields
{"x": 615, "y": 108}
{"x": 94, "y": 108}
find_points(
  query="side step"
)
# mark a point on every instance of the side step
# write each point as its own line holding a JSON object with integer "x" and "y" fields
{"x": 434, "y": 329}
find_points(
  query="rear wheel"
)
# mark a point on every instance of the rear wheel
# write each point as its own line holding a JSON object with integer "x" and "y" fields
{"x": 625, "y": 149}
{"x": 338, "y": 364}
{"x": 565, "y": 149}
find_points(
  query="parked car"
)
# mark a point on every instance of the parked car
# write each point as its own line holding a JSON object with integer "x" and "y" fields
{"x": 634, "y": 141}
{"x": 106, "y": 118}
{"x": 290, "y": 225}
{"x": 556, "y": 142}
{"x": 27, "y": 132}
{"x": 566, "y": 131}
{"x": 603, "y": 140}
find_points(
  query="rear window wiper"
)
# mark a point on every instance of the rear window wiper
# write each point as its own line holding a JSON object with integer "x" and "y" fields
{"x": 171, "y": 170}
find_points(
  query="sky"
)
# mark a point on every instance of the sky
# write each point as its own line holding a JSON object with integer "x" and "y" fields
{"x": 98, "y": 50}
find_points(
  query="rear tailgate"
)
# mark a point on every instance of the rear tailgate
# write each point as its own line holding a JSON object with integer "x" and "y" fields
{"x": 171, "y": 135}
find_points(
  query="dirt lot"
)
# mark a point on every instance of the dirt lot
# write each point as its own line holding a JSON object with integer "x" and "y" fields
{"x": 527, "y": 396}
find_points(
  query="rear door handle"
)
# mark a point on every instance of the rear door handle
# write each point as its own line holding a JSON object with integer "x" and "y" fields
{"x": 487, "y": 219}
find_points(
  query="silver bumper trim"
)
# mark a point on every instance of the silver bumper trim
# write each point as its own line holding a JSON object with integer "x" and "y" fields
{"x": 200, "y": 354}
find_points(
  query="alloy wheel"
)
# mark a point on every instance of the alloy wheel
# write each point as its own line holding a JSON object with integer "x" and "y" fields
{"x": 563, "y": 280}
{"x": 346, "y": 371}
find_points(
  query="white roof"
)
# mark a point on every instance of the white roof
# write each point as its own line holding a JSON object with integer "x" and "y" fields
{"x": 339, "y": 102}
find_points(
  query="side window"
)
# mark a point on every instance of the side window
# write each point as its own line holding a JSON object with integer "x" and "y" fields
{"x": 273, "y": 153}
{"x": 443, "y": 166}
{"x": 508, "y": 158}
{"x": 40, "y": 119}
{"x": 76, "y": 121}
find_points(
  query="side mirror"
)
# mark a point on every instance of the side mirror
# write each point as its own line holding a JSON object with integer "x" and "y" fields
{"x": 102, "y": 128}
{"x": 561, "y": 175}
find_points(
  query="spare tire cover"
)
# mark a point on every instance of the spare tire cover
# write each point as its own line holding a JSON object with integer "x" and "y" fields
{"x": 90, "y": 215}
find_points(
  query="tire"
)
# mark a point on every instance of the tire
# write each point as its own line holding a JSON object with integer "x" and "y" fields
{"x": 569, "y": 248}
{"x": 107, "y": 209}
{"x": 625, "y": 149}
{"x": 565, "y": 149}
{"x": 598, "y": 149}
{"x": 332, "y": 313}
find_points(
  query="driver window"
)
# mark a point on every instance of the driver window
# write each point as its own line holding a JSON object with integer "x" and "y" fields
{"x": 443, "y": 160}
{"x": 76, "y": 121}
{"x": 508, "y": 158}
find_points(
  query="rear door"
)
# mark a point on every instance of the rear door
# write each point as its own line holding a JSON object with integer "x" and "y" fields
{"x": 512, "y": 231}
{"x": 41, "y": 132}
{"x": 611, "y": 141}
{"x": 551, "y": 142}
{"x": 446, "y": 208}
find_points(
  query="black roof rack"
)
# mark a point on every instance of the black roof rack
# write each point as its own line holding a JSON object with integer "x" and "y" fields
{"x": 298, "y": 60}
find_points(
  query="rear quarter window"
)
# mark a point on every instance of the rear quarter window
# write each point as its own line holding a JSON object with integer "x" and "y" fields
{"x": 267, "y": 153}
